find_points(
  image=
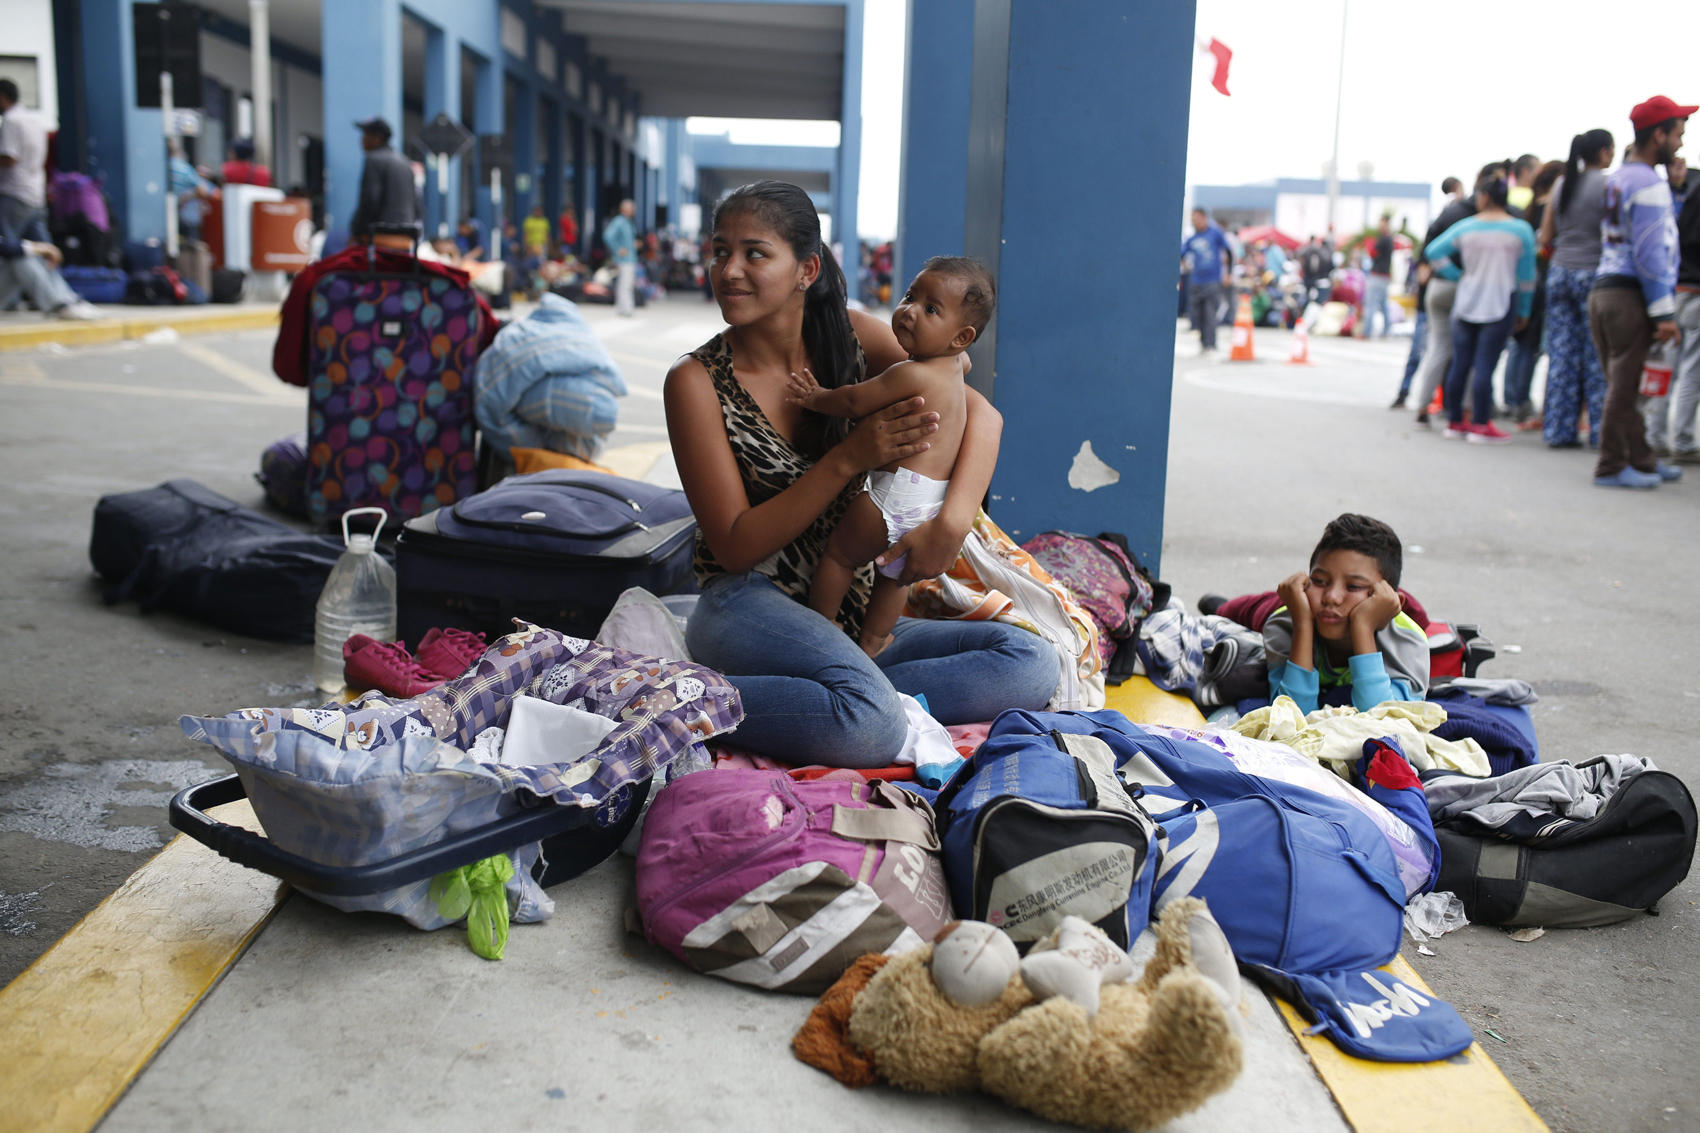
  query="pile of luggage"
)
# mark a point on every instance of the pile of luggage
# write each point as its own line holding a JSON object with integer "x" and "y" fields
{"x": 1106, "y": 869}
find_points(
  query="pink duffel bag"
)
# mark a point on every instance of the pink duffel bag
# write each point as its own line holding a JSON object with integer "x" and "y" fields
{"x": 756, "y": 878}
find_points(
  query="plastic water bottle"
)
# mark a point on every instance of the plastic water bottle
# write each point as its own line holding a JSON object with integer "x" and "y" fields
{"x": 359, "y": 597}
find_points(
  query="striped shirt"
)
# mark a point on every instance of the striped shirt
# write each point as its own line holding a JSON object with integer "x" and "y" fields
{"x": 1499, "y": 262}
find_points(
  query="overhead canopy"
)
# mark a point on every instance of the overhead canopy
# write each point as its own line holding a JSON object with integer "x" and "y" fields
{"x": 718, "y": 60}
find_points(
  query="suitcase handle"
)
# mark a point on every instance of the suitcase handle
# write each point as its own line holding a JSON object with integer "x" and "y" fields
{"x": 245, "y": 848}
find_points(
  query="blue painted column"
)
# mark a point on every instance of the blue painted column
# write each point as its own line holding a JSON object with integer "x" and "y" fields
{"x": 490, "y": 115}
{"x": 362, "y": 77}
{"x": 1080, "y": 358}
{"x": 672, "y": 175}
{"x": 527, "y": 160}
{"x": 935, "y": 135}
{"x": 577, "y": 136}
{"x": 847, "y": 178}
{"x": 550, "y": 165}
{"x": 126, "y": 144}
{"x": 442, "y": 96}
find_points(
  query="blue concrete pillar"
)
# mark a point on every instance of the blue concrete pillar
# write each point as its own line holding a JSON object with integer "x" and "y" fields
{"x": 442, "y": 96}
{"x": 581, "y": 179}
{"x": 847, "y": 177}
{"x": 126, "y": 144}
{"x": 489, "y": 115}
{"x": 362, "y": 77}
{"x": 550, "y": 164}
{"x": 526, "y": 158}
{"x": 672, "y": 176}
{"x": 1080, "y": 360}
{"x": 933, "y": 184}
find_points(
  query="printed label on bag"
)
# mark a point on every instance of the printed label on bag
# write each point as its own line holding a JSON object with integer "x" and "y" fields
{"x": 911, "y": 882}
{"x": 1090, "y": 881}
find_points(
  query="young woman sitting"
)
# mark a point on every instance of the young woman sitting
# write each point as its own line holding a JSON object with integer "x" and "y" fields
{"x": 768, "y": 482}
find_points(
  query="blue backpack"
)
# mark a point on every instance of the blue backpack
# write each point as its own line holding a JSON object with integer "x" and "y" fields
{"x": 1036, "y": 827}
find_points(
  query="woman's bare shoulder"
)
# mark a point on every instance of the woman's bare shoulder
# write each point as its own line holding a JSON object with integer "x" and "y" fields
{"x": 687, "y": 372}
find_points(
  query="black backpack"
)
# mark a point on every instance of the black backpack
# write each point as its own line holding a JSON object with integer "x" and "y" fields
{"x": 183, "y": 547}
{"x": 1578, "y": 874}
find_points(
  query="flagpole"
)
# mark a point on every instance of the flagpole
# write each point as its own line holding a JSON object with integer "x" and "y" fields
{"x": 1339, "y": 89}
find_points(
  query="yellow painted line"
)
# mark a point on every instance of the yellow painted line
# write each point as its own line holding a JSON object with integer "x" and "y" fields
{"x": 70, "y": 333}
{"x": 82, "y": 1021}
{"x": 1465, "y": 1094}
{"x": 1144, "y": 703}
{"x": 266, "y": 385}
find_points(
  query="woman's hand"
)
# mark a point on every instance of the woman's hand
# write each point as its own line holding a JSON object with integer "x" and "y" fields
{"x": 932, "y": 548}
{"x": 895, "y": 433}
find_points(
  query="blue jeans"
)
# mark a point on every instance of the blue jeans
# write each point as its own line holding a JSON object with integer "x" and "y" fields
{"x": 1375, "y": 302}
{"x": 812, "y": 696}
{"x": 1475, "y": 347}
{"x": 1419, "y": 337}
{"x": 1520, "y": 372}
{"x": 19, "y": 221}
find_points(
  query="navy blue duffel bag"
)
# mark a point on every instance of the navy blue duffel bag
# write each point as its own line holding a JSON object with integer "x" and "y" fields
{"x": 556, "y": 548}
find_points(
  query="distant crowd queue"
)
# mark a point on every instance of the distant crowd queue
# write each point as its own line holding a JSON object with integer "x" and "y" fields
{"x": 1597, "y": 268}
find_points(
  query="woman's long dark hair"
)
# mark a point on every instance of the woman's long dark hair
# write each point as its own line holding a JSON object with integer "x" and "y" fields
{"x": 1583, "y": 147}
{"x": 1494, "y": 183}
{"x": 827, "y": 334}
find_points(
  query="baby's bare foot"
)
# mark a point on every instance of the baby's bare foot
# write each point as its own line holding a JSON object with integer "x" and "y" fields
{"x": 873, "y": 648}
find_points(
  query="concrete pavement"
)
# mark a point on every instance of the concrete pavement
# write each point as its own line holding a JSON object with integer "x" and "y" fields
{"x": 1591, "y": 585}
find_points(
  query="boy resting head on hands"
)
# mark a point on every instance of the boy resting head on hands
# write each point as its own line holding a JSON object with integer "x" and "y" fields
{"x": 1342, "y": 625}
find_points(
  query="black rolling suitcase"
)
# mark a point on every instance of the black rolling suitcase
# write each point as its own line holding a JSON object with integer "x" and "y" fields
{"x": 556, "y": 548}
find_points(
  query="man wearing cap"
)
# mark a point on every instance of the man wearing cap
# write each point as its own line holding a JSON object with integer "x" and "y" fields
{"x": 1633, "y": 302}
{"x": 387, "y": 195}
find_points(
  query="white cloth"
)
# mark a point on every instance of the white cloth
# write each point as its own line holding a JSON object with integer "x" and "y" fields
{"x": 907, "y": 500}
{"x": 625, "y": 280}
{"x": 543, "y": 733}
{"x": 23, "y": 137}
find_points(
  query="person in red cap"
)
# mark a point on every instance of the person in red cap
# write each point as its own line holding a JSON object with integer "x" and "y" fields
{"x": 1633, "y": 303}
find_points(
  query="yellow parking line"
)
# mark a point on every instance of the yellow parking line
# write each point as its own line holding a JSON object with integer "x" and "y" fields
{"x": 27, "y": 336}
{"x": 1144, "y": 703}
{"x": 1465, "y": 1094}
{"x": 82, "y": 1021}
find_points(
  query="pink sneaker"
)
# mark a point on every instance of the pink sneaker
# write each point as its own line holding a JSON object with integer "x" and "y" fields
{"x": 1456, "y": 432}
{"x": 385, "y": 666}
{"x": 448, "y": 653}
{"x": 1488, "y": 434}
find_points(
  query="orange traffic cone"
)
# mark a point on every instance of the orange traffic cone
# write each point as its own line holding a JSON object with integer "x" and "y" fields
{"x": 1301, "y": 344}
{"x": 1242, "y": 351}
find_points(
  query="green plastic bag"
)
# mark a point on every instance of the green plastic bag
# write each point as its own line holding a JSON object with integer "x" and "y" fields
{"x": 478, "y": 893}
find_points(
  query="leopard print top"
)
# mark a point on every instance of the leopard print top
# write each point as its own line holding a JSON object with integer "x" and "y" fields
{"x": 770, "y": 465}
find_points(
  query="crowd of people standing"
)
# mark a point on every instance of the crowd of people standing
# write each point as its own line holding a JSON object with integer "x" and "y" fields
{"x": 1598, "y": 270}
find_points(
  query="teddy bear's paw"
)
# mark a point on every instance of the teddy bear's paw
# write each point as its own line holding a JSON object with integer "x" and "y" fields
{"x": 1188, "y": 1051}
{"x": 918, "y": 1039}
{"x": 1035, "y": 1060}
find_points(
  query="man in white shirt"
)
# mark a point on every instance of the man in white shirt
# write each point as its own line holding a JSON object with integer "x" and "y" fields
{"x": 23, "y": 181}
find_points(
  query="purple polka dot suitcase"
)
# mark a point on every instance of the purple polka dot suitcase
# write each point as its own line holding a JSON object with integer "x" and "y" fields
{"x": 389, "y": 418}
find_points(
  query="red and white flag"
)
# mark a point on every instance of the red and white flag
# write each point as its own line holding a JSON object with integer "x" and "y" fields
{"x": 1223, "y": 54}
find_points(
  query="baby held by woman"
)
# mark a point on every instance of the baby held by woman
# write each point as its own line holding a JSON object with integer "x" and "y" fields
{"x": 945, "y": 309}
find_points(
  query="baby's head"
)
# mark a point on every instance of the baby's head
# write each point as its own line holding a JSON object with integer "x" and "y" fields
{"x": 1354, "y": 553}
{"x": 946, "y": 308}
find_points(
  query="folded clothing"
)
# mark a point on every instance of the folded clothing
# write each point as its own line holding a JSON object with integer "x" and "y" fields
{"x": 1335, "y": 737}
{"x": 1506, "y": 733}
{"x": 1521, "y": 805}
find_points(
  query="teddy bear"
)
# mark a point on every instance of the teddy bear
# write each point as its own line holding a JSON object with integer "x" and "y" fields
{"x": 1068, "y": 1032}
